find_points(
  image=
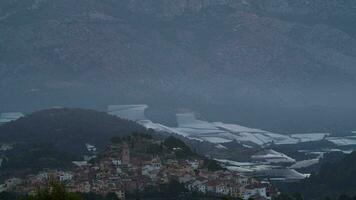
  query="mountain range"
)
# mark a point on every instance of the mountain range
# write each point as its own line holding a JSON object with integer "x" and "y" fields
{"x": 271, "y": 64}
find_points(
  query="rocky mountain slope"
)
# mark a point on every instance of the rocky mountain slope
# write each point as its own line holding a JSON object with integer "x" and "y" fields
{"x": 219, "y": 53}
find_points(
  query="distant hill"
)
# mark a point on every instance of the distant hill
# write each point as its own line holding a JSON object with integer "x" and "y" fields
{"x": 67, "y": 129}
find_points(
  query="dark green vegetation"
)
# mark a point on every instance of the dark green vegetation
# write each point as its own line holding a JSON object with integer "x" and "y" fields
{"x": 298, "y": 196}
{"x": 31, "y": 158}
{"x": 332, "y": 180}
{"x": 55, "y": 191}
{"x": 173, "y": 190}
{"x": 179, "y": 147}
{"x": 212, "y": 165}
{"x": 67, "y": 129}
{"x": 54, "y": 138}
{"x": 8, "y": 196}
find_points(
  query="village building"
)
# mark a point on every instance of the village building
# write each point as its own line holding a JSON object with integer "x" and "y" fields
{"x": 121, "y": 170}
{"x": 251, "y": 191}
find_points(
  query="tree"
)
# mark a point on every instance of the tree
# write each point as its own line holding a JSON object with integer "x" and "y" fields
{"x": 298, "y": 196}
{"x": 54, "y": 191}
{"x": 177, "y": 145}
{"x": 176, "y": 188}
{"x": 116, "y": 140}
{"x": 7, "y": 196}
{"x": 111, "y": 196}
{"x": 212, "y": 165}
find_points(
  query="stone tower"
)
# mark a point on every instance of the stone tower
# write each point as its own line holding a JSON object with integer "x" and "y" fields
{"x": 125, "y": 154}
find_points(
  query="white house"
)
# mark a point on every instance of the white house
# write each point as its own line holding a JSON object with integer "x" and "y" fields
{"x": 150, "y": 171}
{"x": 194, "y": 164}
{"x": 90, "y": 148}
{"x": 156, "y": 163}
{"x": 120, "y": 194}
{"x": 65, "y": 176}
{"x": 42, "y": 176}
{"x": 259, "y": 191}
{"x": 199, "y": 186}
{"x": 243, "y": 180}
{"x": 116, "y": 162}
{"x": 222, "y": 189}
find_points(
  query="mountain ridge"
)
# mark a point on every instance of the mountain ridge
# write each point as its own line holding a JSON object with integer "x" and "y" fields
{"x": 206, "y": 51}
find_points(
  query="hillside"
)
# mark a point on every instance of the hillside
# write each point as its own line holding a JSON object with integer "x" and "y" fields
{"x": 67, "y": 129}
{"x": 264, "y": 59}
{"x": 54, "y": 138}
{"x": 333, "y": 179}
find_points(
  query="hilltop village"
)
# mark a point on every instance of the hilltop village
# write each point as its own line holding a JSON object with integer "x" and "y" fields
{"x": 142, "y": 165}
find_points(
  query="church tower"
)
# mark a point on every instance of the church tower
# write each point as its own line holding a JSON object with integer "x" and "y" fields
{"x": 125, "y": 154}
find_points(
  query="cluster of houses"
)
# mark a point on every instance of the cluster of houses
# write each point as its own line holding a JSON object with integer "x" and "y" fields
{"x": 122, "y": 169}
